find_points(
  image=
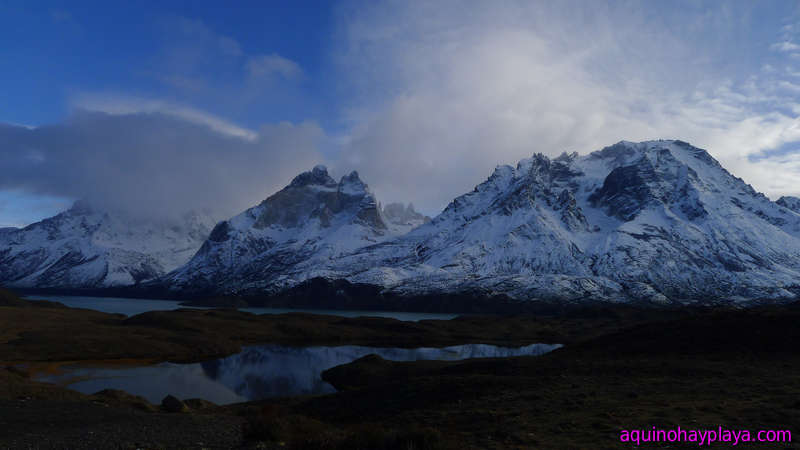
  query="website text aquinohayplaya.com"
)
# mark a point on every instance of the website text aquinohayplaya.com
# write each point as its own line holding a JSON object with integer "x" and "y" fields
{"x": 702, "y": 437}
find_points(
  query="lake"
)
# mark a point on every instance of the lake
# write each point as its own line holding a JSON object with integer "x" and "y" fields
{"x": 133, "y": 306}
{"x": 259, "y": 372}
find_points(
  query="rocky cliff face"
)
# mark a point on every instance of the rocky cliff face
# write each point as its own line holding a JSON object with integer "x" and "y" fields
{"x": 85, "y": 248}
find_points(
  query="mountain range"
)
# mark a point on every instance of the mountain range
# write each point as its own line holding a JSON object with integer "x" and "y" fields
{"x": 659, "y": 222}
{"x": 83, "y": 248}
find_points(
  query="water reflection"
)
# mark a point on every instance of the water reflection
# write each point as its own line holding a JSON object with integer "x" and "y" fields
{"x": 261, "y": 371}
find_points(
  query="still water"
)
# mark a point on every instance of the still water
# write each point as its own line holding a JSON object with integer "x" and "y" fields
{"x": 133, "y": 306}
{"x": 260, "y": 372}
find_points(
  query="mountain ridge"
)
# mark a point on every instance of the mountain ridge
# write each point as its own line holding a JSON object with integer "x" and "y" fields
{"x": 660, "y": 222}
{"x": 656, "y": 221}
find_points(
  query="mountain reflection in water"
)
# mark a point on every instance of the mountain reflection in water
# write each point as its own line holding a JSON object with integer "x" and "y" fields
{"x": 260, "y": 372}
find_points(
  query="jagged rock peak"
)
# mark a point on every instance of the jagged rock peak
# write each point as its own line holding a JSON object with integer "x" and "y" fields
{"x": 790, "y": 202}
{"x": 501, "y": 171}
{"x": 397, "y": 213}
{"x": 536, "y": 162}
{"x": 352, "y": 184}
{"x": 352, "y": 177}
{"x": 566, "y": 157}
{"x": 318, "y": 176}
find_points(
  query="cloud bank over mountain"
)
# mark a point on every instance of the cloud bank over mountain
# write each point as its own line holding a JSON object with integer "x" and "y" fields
{"x": 450, "y": 89}
{"x": 423, "y": 99}
{"x": 154, "y": 163}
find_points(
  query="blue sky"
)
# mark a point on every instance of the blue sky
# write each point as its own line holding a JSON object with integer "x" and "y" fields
{"x": 228, "y": 103}
{"x": 51, "y": 54}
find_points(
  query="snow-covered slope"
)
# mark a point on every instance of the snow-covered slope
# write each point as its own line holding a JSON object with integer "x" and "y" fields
{"x": 84, "y": 248}
{"x": 291, "y": 236}
{"x": 655, "y": 221}
{"x": 792, "y": 203}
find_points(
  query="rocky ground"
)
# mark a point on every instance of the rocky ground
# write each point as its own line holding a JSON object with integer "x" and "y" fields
{"x": 621, "y": 368}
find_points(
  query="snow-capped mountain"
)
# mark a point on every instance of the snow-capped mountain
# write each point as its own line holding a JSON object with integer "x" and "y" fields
{"x": 86, "y": 248}
{"x": 403, "y": 218}
{"x": 658, "y": 221}
{"x": 291, "y": 236}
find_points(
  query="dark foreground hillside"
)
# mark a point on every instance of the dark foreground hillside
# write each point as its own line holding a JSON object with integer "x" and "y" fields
{"x": 621, "y": 368}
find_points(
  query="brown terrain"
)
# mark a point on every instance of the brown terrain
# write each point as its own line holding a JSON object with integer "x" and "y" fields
{"x": 621, "y": 368}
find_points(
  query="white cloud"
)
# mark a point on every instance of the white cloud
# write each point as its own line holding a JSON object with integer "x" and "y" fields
{"x": 124, "y": 105}
{"x": 785, "y": 46}
{"x": 445, "y": 90}
{"x": 163, "y": 155}
{"x": 274, "y": 64}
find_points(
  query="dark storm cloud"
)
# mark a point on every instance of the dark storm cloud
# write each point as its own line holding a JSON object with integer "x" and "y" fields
{"x": 155, "y": 164}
